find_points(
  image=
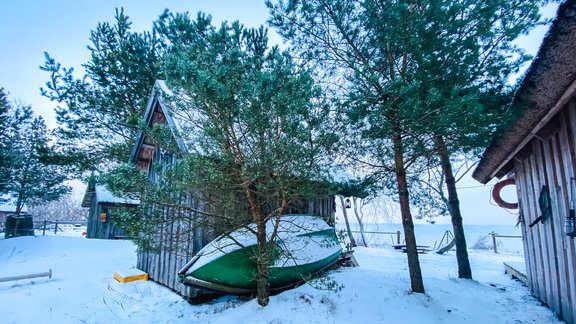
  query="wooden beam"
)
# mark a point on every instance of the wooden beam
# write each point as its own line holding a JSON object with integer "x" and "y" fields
{"x": 28, "y": 276}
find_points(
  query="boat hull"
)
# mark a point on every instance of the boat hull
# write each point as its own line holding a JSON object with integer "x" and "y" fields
{"x": 304, "y": 246}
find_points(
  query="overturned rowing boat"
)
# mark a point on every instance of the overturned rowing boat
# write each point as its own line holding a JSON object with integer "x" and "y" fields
{"x": 304, "y": 246}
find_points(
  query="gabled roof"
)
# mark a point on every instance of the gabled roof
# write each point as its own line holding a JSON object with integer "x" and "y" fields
{"x": 158, "y": 98}
{"x": 104, "y": 196}
{"x": 548, "y": 85}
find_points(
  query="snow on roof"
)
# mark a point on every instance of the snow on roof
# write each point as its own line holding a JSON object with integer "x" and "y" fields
{"x": 162, "y": 85}
{"x": 183, "y": 121}
{"x": 103, "y": 195}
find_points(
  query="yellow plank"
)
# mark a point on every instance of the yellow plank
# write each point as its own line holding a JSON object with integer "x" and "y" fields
{"x": 130, "y": 278}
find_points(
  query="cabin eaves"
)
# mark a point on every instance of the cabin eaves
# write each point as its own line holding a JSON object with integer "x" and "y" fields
{"x": 547, "y": 86}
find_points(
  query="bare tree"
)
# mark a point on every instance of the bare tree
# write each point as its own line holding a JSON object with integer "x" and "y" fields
{"x": 65, "y": 208}
{"x": 347, "y": 221}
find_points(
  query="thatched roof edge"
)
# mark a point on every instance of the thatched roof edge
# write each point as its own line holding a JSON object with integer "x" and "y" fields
{"x": 546, "y": 81}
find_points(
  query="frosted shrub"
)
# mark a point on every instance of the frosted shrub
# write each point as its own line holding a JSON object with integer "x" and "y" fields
{"x": 324, "y": 282}
{"x": 484, "y": 243}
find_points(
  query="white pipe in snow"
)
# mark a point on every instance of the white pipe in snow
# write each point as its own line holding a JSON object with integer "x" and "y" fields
{"x": 29, "y": 276}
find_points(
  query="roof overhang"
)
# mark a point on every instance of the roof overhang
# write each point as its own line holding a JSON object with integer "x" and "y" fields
{"x": 89, "y": 194}
{"x": 549, "y": 84}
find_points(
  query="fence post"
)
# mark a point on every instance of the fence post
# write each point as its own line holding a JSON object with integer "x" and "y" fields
{"x": 56, "y": 228}
{"x": 493, "y": 234}
{"x": 44, "y": 229}
{"x": 397, "y": 237}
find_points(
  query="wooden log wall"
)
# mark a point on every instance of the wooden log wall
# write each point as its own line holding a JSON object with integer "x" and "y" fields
{"x": 550, "y": 159}
{"x": 180, "y": 239}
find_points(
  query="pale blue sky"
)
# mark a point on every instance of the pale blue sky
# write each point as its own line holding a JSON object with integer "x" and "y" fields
{"x": 62, "y": 28}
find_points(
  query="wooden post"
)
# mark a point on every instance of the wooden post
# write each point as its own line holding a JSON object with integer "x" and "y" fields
{"x": 44, "y": 229}
{"x": 397, "y": 237}
{"x": 30, "y": 276}
{"x": 493, "y": 234}
{"x": 56, "y": 227}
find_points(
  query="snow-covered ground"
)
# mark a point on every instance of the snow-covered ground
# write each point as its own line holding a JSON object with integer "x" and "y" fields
{"x": 82, "y": 290}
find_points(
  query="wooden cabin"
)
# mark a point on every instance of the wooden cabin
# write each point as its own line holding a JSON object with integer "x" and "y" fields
{"x": 538, "y": 151}
{"x": 180, "y": 237}
{"x": 101, "y": 201}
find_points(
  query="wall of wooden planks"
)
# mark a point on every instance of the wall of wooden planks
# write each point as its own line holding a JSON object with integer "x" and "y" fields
{"x": 179, "y": 240}
{"x": 97, "y": 229}
{"x": 550, "y": 159}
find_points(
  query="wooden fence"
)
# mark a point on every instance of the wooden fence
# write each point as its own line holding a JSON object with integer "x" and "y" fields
{"x": 495, "y": 235}
{"x": 46, "y": 225}
{"x": 377, "y": 238}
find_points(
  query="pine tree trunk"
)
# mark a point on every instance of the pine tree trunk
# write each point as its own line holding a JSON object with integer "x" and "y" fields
{"x": 352, "y": 240}
{"x": 19, "y": 205}
{"x": 359, "y": 220}
{"x": 407, "y": 222}
{"x": 464, "y": 270}
{"x": 263, "y": 286}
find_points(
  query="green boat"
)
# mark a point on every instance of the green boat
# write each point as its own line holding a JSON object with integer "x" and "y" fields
{"x": 304, "y": 246}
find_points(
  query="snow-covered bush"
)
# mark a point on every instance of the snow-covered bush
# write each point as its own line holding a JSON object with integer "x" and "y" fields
{"x": 484, "y": 243}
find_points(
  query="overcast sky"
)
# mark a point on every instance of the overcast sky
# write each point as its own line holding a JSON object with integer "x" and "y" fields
{"x": 28, "y": 28}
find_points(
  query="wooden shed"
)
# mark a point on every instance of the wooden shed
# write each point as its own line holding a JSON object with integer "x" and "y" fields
{"x": 9, "y": 210}
{"x": 99, "y": 223}
{"x": 180, "y": 237}
{"x": 538, "y": 150}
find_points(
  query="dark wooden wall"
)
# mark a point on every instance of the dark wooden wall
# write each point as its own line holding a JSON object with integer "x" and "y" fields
{"x": 549, "y": 159}
{"x": 97, "y": 229}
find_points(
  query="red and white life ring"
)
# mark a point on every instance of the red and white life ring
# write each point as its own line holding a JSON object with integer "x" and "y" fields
{"x": 498, "y": 198}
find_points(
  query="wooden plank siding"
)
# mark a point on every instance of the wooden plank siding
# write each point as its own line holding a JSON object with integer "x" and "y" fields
{"x": 527, "y": 237}
{"x": 97, "y": 229}
{"x": 179, "y": 240}
{"x": 550, "y": 254}
{"x": 567, "y": 150}
{"x": 550, "y": 170}
{"x": 560, "y": 202}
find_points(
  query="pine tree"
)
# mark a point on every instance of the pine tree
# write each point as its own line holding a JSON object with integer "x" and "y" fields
{"x": 29, "y": 179}
{"x": 98, "y": 113}
{"x": 463, "y": 54}
{"x": 373, "y": 60}
{"x": 4, "y": 143}
{"x": 256, "y": 121}
{"x": 421, "y": 75}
